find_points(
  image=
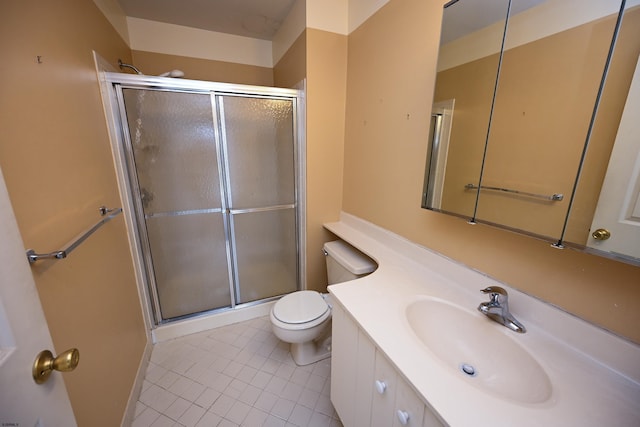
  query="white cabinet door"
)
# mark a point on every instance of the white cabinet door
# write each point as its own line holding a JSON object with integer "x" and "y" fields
{"x": 384, "y": 396}
{"x": 352, "y": 365}
{"x": 409, "y": 408}
{"x": 430, "y": 419}
{"x": 364, "y": 378}
{"x": 344, "y": 363}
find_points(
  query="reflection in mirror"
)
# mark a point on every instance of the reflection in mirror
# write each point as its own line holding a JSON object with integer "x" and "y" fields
{"x": 544, "y": 113}
{"x": 613, "y": 156}
{"x": 465, "y": 84}
{"x": 439, "y": 138}
{"x": 548, "y": 87}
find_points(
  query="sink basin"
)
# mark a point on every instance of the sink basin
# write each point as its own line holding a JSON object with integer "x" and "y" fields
{"x": 480, "y": 350}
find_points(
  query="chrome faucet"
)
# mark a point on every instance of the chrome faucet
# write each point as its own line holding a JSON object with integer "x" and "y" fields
{"x": 497, "y": 308}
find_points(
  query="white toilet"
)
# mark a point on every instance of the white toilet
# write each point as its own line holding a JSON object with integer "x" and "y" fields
{"x": 303, "y": 318}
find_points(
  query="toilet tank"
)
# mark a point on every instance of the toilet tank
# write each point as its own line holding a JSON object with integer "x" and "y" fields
{"x": 344, "y": 262}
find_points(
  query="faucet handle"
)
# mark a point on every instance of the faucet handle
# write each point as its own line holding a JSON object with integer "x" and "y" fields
{"x": 494, "y": 290}
{"x": 497, "y": 295}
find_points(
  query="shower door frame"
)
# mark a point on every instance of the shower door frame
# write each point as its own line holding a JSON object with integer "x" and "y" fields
{"x": 112, "y": 84}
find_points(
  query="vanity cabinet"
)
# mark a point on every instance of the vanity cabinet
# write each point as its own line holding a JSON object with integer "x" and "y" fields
{"x": 352, "y": 367}
{"x": 366, "y": 389}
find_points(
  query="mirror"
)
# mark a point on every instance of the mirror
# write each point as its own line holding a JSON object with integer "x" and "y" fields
{"x": 515, "y": 106}
{"x": 468, "y": 65}
{"x": 609, "y": 184}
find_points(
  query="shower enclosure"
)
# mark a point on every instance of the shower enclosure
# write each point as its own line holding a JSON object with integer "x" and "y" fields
{"x": 213, "y": 176}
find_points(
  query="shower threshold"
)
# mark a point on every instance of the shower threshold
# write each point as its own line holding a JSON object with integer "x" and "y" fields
{"x": 211, "y": 319}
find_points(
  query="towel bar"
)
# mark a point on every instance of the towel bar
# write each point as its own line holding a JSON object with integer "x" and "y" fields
{"x": 554, "y": 197}
{"x": 32, "y": 256}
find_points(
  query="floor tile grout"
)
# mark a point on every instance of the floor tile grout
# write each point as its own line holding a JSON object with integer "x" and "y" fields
{"x": 236, "y": 375}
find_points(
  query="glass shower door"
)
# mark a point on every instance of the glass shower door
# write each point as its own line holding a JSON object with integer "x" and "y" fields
{"x": 258, "y": 140}
{"x": 177, "y": 176}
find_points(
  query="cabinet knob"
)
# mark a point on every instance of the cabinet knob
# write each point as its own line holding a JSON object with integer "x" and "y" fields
{"x": 403, "y": 417}
{"x": 381, "y": 386}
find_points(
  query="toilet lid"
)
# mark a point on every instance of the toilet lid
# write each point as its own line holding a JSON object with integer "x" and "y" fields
{"x": 300, "y": 307}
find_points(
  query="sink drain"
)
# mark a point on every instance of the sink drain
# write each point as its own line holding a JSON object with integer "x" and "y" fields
{"x": 468, "y": 370}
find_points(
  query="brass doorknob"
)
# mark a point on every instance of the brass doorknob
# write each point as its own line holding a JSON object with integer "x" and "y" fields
{"x": 45, "y": 363}
{"x": 601, "y": 234}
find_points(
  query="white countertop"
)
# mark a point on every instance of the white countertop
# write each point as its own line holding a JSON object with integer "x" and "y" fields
{"x": 595, "y": 375}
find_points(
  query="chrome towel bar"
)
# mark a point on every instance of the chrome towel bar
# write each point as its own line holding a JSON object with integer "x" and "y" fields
{"x": 32, "y": 256}
{"x": 554, "y": 197}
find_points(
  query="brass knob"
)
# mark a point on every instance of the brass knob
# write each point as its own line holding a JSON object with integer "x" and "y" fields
{"x": 45, "y": 363}
{"x": 601, "y": 234}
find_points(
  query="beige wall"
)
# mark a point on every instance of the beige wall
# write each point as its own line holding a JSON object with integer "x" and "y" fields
{"x": 203, "y": 69}
{"x": 391, "y": 70}
{"x": 321, "y": 58}
{"x": 326, "y": 101}
{"x": 389, "y": 95}
{"x": 291, "y": 69}
{"x": 57, "y": 163}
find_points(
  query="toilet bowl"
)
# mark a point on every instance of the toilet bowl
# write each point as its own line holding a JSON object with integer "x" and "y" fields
{"x": 303, "y": 318}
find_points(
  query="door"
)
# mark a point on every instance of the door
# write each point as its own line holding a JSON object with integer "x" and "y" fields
{"x": 23, "y": 334}
{"x": 439, "y": 135}
{"x": 258, "y": 140}
{"x": 618, "y": 209}
{"x": 175, "y": 168}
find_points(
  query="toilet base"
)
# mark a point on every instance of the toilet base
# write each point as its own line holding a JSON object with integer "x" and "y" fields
{"x": 310, "y": 352}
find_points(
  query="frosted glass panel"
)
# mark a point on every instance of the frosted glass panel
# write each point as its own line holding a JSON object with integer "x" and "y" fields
{"x": 173, "y": 142}
{"x": 259, "y": 137}
{"x": 190, "y": 263}
{"x": 195, "y": 179}
{"x": 266, "y": 253}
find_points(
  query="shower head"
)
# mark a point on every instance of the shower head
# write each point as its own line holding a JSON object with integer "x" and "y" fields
{"x": 172, "y": 73}
{"x": 122, "y": 65}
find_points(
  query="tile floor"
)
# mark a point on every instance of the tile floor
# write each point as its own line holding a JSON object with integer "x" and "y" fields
{"x": 236, "y": 375}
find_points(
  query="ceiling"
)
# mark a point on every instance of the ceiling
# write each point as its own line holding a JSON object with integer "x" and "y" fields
{"x": 258, "y": 19}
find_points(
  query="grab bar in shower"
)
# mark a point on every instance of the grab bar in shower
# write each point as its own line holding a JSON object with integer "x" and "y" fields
{"x": 554, "y": 197}
{"x": 32, "y": 256}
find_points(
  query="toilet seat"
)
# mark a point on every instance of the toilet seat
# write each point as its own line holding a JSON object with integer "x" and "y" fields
{"x": 301, "y": 309}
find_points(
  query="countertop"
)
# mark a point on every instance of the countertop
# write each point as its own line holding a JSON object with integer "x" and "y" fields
{"x": 595, "y": 375}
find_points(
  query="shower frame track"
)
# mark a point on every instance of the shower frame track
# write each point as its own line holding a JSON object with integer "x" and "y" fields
{"x": 128, "y": 186}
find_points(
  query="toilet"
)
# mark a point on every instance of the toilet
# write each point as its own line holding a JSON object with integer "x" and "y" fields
{"x": 303, "y": 318}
